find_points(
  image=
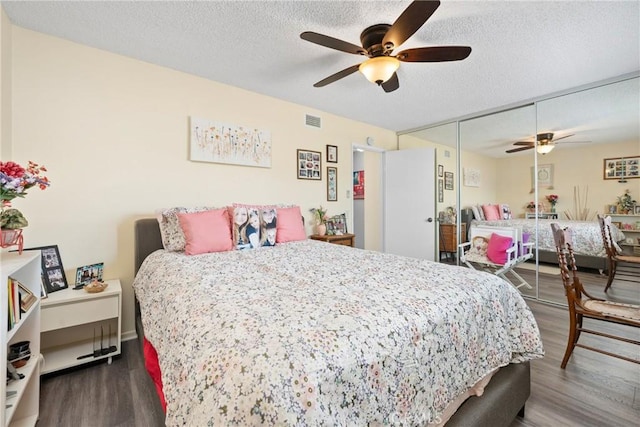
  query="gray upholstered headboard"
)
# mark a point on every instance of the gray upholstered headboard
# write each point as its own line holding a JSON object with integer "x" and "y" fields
{"x": 147, "y": 239}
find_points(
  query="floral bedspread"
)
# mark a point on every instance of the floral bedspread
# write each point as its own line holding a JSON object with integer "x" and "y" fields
{"x": 310, "y": 333}
{"x": 587, "y": 238}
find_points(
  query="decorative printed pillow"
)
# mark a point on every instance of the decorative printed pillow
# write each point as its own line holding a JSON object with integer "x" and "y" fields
{"x": 172, "y": 235}
{"x": 254, "y": 226}
{"x": 481, "y": 212}
{"x": 479, "y": 246}
{"x": 505, "y": 210}
{"x": 497, "y": 248}
{"x": 290, "y": 225}
{"x": 207, "y": 231}
{"x": 476, "y": 214}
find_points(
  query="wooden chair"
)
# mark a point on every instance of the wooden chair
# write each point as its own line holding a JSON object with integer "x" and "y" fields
{"x": 626, "y": 267}
{"x": 474, "y": 253}
{"x": 582, "y": 305}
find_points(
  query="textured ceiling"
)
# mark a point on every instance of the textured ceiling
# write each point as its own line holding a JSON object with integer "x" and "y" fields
{"x": 521, "y": 50}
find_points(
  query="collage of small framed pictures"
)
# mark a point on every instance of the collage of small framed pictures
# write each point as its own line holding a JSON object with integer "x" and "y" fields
{"x": 622, "y": 168}
{"x": 309, "y": 165}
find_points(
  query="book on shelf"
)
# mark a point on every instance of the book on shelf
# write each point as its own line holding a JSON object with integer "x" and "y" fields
{"x": 20, "y": 299}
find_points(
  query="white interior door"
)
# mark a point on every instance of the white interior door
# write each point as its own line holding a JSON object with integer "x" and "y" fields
{"x": 409, "y": 200}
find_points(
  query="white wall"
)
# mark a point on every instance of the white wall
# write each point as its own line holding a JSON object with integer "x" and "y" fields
{"x": 5, "y": 86}
{"x": 113, "y": 133}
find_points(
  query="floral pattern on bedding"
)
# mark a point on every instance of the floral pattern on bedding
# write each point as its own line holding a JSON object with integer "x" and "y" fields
{"x": 587, "y": 235}
{"x": 310, "y": 333}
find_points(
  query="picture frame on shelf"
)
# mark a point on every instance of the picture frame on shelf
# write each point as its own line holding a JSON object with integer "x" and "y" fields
{"x": 309, "y": 165}
{"x": 613, "y": 209}
{"x": 88, "y": 273}
{"x": 618, "y": 224}
{"x": 332, "y": 154}
{"x": 332, "y": 184}
{"x": 636, "y": 210}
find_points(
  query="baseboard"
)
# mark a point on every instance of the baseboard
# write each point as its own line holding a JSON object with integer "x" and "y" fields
{"x": 129, "y": 335}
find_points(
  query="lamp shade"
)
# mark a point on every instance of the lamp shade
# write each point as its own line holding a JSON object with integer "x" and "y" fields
{"x": 379, "y": 69}
{"x": 544, "y": 148}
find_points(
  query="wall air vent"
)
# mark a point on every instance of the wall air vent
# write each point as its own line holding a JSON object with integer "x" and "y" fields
{"x": 312, "y": 121}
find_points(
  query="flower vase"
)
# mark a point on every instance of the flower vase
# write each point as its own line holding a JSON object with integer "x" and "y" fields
{"x": 12, "y": 238}
{"x": 553, "y": 208}
{"x": 321, "y": 229}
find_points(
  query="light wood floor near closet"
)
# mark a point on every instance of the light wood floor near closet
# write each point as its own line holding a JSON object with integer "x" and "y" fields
{"x": 594, "y": 390}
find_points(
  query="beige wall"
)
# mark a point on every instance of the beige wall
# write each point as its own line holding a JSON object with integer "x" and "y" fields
{"x": 113, "y": 133}
{"x": 582, "y": 167}
{"x": 5, "y": 86}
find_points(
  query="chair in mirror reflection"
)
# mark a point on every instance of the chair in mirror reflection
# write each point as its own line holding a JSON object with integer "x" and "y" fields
{"x": 497, "y": 250}
{"x": 622, "y": 267}
{"x": 582, "y": 305}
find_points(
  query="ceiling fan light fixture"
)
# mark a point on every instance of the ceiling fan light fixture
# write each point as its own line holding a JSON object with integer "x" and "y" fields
{"x": 379, "y": 69}
{"x": 544, "y": 148}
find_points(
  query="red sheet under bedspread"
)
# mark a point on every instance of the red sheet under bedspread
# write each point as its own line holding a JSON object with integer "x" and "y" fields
{"x": 153, "y": 367}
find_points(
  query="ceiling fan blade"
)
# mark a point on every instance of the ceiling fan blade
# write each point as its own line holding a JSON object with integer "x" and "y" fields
{"x": 413, "y": 17}
{"x": 337, "y": 76}
{"x": 531, "y": 143}
{"x": 515, "y": 150}
{"x": 332, "y": 43}
{"x": 562, "y": 137}
{"x": 392, "y": 84}
{"x": 434, "y": 54}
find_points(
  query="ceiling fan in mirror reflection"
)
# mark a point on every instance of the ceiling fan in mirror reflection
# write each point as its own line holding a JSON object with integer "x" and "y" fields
{"x": 544, "y": 143}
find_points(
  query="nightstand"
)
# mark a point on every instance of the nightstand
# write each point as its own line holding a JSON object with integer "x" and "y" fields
{"x": 78, "y": 327}
{"x": 345, "y": 239}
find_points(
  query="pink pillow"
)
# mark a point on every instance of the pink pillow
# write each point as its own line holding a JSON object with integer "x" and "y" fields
{"x": 491, "y": 212}
{"x": 497, "y": 249}
{"x": 290, "y": 227}
{"x": 208, "y": 231}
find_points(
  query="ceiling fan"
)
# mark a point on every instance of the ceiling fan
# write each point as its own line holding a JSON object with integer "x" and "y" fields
{"x": 378, "y": 42}
{"x": 544, "y": 143}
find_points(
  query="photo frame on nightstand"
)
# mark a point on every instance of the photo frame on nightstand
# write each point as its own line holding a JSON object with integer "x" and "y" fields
{"x": 53, "y": 277}
{"x": 88, "y": 273}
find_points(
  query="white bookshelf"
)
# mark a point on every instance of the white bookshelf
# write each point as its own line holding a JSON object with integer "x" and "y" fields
{"x": 23, "y": 403}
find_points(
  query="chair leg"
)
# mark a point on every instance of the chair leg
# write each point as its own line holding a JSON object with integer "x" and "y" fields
{"x": 612, "y": 273}
{"x": 578, "y": 327}
{"x": 571, "y": 342}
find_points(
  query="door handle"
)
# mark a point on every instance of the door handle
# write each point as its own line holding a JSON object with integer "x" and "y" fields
{"x": 429, "y": 219}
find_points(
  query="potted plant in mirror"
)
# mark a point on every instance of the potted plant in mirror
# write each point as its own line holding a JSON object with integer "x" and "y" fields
{"x": 14, "y": 182}
{"x": 626, "y": 203}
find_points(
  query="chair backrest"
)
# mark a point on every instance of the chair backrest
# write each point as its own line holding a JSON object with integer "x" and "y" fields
{"x": 567, "y": 263}
{"x": 610, "y": 245}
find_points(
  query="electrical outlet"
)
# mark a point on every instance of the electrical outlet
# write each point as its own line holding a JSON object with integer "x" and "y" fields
{"x": 348, "y": 194}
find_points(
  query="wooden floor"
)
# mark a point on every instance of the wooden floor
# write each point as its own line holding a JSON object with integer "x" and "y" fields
{"x": 594, "y": 389}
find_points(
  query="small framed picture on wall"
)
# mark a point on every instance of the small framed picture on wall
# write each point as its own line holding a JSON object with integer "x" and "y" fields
{"x": 332, "y": 154}
{"x": 332, "y": 184}
{"x": 440, "y": 171}
{"x": 440, "y": 190}
{"x": 448, "y": 180}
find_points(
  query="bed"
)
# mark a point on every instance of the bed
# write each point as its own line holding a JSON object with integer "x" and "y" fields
{"x": 589, "y": 249}
{"x": 309, "y": 333}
